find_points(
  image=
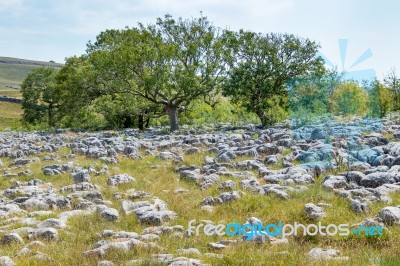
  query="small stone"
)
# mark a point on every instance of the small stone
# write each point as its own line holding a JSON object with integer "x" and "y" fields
{"x": 20, "y": 161}
{"x": 323, "y": 254}
{"x": 390, "y": 215}
{"x": 6, "y": 261}
{"x": 228, "y": 184}
{"x": 105, "y": 263}
{"x": 229, "y": 196}
{"x": 191, "y": 251}
{"x": 192, "y": 150}
{"x": 148, "y": 237}
{"x": 279, "y": 241}
{"x": 359, "y": 207}
{"x": 41, "y": 256}
{"x": 209, "y": 160}
{"x": 43, "y": 233}
{"x": 213, "y": 255}
{"x": 35, "y": 244}
{"x": 52, "y": 222}
{"x": 313, "y": 211}
{"x": 81, "y": 176}
{"x": 11, "y": 238}
{"x": 180, "y": 190}
{"x": 120, "y": 179}
{"x": 207, "y": 208}
{"x": 109, "y": 214}
{"x": 332, "y": 182}
{"x": 23, "y": 252}
{"x": 216, "y": 246}
{"x": 211, "y": 201}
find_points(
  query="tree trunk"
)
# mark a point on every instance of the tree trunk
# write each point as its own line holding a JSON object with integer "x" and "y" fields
{"x": 127, "y": 118}
{"x": 172, "y": 112}
{"x": 50, "y": 115}
{"x": 264, "y": 119}
{"x": 140, "y": 122}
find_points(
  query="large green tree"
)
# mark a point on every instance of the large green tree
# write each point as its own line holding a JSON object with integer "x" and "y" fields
{"x": 170, "y": 63}
{"x": 264, "y": 64}
{"x": 40, "y": 96}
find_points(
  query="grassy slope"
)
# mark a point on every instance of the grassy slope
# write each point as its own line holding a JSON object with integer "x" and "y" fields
{"x": 13, "y": 71}
{"x": 10, "y": 115}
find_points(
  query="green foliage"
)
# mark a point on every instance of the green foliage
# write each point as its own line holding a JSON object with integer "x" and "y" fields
{"x": 386, "y": 99}
{"x": 349, "y": 99}
{"x": 85, "y": 118}
{"x": 175, "y": 68}
{"x": 201, "y": 113}
{"x": 40, "y": 96}
{"x": 263, "y": 66}
{"x": 382, "y": 99}
{"x": 309, "y": 97}
{"x": 80, "y": 89}
{"x": 392, "y": 82}
{"x": 125, "y": 110}
{"x": 170, "y": 63}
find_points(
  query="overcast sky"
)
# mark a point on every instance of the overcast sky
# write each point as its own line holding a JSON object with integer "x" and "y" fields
{"x": 54, "y": 29}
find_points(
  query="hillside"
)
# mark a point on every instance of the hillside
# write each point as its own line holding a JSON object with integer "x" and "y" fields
{"x": 13, "y": 71}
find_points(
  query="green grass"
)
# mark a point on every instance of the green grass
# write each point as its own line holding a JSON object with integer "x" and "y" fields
{"x": 10, "y": 115}
{"x": 11, "y": 93}
{"x": 162, "y": 180}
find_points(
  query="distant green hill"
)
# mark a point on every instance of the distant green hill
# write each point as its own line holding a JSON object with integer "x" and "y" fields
{"x": 13, "y": 71}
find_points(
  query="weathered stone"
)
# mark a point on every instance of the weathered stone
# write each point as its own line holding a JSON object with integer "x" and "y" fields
{"x": 11, "y": 238}
{"x": 323, "y": 254}
{"x": 313, "y": 211}
{"x": 390, "y": 215}
{"x": 120, "y": 179}
{"x": 109, "y": 214}
{"x": 44, "y": 233}
{"x": 6, "y": 261}
{"x": 81, "y": 176}
{"x": 332, "y": 182}
{"x": 359, "y": 207}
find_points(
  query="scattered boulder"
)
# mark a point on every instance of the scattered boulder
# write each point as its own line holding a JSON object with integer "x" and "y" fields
{"x": 332, "y": 182}
{"x": 390, "y": 215}
{"x": 120, "y": 179}
{"x": 43, "y": 233}
{"x": 109, "y": 214}
{"x": 314, "y": 212}
{"x": 11, "y": 238}
{"x": 359, "y": 207}
{"x": 6, "y": 261}
{"x": 325, "y": 254}
{"x": 81, "y": 176}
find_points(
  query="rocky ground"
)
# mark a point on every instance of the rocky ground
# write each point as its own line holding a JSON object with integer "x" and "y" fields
{"x": 125, "y": 197}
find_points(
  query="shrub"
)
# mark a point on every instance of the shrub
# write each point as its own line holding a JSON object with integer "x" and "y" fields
{"x": 349, "y": 99}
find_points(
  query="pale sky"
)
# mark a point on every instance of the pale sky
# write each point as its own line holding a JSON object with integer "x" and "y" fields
{"x": 55, "y": 29}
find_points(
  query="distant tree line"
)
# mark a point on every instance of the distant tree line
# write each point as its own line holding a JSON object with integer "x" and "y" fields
{"x": 188, "y": 69}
